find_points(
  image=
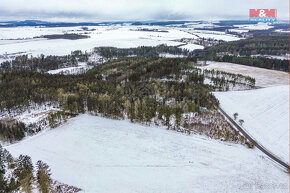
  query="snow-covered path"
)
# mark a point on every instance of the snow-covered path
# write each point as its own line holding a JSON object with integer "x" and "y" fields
{"x": 104, "y": 155}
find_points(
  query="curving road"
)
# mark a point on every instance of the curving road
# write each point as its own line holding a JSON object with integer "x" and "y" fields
{"x": 259, "y": 146}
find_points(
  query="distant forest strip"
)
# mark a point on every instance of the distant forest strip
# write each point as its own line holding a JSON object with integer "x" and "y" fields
{"x": 142, "y": 51}
{"x": 65, "y": 36}
{"x": 242, "y": 51}
{"x": 260, "y": 62}
{"x": 264, "y": 45}
{"x": 44, "y": 63}
{"x": 207, "y": 54}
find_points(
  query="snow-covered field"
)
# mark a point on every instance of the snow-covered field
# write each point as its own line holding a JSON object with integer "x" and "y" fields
{"x": 81, "y": 68}
{"x": 237, "y": 30}
{"x": 282, "y": 57}
{"x": 216, "y": 35}
{"x": 265, "y": 111}
{"x": 282, "y": 31}
{"x": 192, "y": 47}
{"x": 258, "y": 26}
{"x": 116, "y": 36}
{"x": 264, "y": 77}
{"x": 20, "y": 39}
{"x": 266, "y": 115}
{"x": 104, "y": 155}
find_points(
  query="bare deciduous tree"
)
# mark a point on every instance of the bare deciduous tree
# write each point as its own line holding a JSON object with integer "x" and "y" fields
{"x": 236, "y": 116}
{"x": 241, "y": 121}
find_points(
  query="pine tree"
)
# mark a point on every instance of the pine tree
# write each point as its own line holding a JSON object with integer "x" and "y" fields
{"x": 43, "y": 177}
{"x": 167, "y": 116}
{"x": 24, "y": 173}
{"x": 3, "y": 183}
{"x": 178, "y": 112}
{"x": 27, "y": 183}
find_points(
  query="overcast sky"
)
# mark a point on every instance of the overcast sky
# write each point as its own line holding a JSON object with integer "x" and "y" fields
{"x": 124, "y": 10}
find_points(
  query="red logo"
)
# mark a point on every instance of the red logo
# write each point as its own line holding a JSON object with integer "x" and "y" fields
{"x": 263, "y": 13}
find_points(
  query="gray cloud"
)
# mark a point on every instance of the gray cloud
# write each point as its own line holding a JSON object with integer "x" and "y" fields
{"x": 104, "y": 10}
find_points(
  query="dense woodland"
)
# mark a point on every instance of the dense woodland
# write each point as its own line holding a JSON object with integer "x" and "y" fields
{"x": 44, "y": 63}
{"x": 142, "y": 51}
{"x": 239, "y": 52}
{"x": 264, "y": 45}
{"x": 142, "y": 89}
{"x": 66, "y": 36}
{"x": 242, "y": 52}
{"x": 11, "y": 130}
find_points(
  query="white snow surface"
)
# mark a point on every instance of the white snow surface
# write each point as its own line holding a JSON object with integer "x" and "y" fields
{"x": 116, "y": 36}
{"x": 258, "y": 26}
{"x": 239, "y": 30}
{"x": 282, "y": 31}
{"x": 104, "y": 155}
{"x": 216, "y": 35}
{"x": 81, "y": 68}
{"x": 266, "y": 115}
{"x": 17, "y": 40}
{"x": 192, "y": 47}
{"x": 264, "y": 77}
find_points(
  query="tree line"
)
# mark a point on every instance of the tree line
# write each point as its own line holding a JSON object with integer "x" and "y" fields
{"x": 20, "y": 175}
{"x": 263, "y": 45}
{"x": 141, "y": 51}
{"x": 44, "y": 63}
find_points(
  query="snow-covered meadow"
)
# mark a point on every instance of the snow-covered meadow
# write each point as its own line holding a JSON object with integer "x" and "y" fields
{"x": 116, "y": 36}
{"x": 266, "y": 115}
{"x": 104, "y": 155}
{"x": 258, "y": 26}
{"x": 264, "y": 77}
{"x": 192, "y": 47}
{"x": 20, "y": 40}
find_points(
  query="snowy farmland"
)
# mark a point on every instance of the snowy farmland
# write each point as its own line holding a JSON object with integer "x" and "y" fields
{"x": 264, "y": 77}
{"x": 116, "y": 36}
{"x": 20, "y": 40}
{"x": 258, "y": 26}
{"x": 192, "y": 47}
{"x": 212, "y": 35}
{"x": 104, "y": 155}
{"x": 266, "y": 115}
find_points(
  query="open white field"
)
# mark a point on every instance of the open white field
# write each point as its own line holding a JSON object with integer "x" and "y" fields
{"x": 266, "y": 115}
{"x": 116, "y": 36}
{"x": 19, "y": 40}
{"x": 104, "y": 155}
{"x": 264, "y": 77}
{"x": 216, "y": 35}
{"x": 192, "y": 47}
{"x": 30, "y": 32}
{"x": 258, "y": 26}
